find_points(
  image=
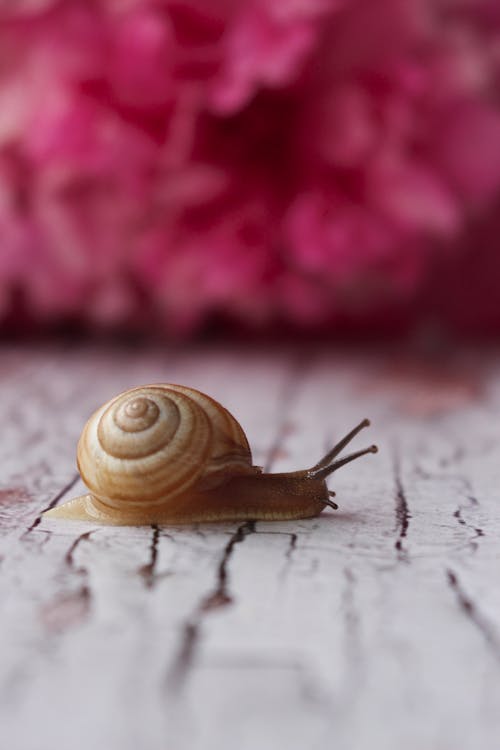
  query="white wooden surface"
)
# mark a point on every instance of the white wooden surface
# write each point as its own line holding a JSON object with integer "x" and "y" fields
{"x": 377, "y": 626}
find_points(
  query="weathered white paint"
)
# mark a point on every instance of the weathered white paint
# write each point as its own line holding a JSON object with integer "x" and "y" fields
{"x": 377, "y": 626}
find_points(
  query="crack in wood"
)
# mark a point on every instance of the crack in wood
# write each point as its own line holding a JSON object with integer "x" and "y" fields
{"x": 477, "y": 532}
{"x": 219, "y": 597}
{"x": 148, "y": 571}
{"x": 467, "y": 486}
{"x": 288, "y": 552}
{"x": 291, "y": 546}
{"x": 472, "y": 612}
{"x": 69, "y": 609}
{"x": 69, "y": 556}
{"x": 67, "y": 487}
{"x": 402, "y": 511}
{"x": 291, "y": 535}
{"x": 456, "y": 457}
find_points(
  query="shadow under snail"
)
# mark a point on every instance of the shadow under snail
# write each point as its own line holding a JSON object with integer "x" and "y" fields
{"x": 170, "y": 454}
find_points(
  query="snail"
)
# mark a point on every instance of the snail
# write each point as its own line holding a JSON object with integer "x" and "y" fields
{"x": 170, "y": 454}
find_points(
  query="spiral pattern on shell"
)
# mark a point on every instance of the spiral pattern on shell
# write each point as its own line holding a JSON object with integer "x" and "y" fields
{"x": 152, "y": 443}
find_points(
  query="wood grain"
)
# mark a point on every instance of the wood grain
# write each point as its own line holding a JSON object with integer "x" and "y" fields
{"x": 376, "y": 626}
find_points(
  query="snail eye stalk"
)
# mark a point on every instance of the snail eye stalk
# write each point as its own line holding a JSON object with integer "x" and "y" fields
{"x": 327, "y": 470}
{"x": 339, "y": 447}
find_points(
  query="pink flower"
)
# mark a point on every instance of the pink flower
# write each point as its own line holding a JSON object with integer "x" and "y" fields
{"x": 322, "y": 234}
{"x": 307, "y": 163}
{"x": 265, "y": 46}
{"x": 467, "y": 150}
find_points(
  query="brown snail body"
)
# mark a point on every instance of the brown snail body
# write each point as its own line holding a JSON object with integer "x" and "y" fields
{"x": 170, "y": 454}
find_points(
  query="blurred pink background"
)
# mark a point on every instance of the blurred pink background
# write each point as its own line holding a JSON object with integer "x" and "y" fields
{"x": 322, "y": 165}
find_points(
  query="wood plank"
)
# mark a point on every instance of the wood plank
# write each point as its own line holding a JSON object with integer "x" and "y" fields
{"x": 376, "y": 626}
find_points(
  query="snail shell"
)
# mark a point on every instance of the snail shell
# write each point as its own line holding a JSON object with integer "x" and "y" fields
{"x": 156, "y": 442}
